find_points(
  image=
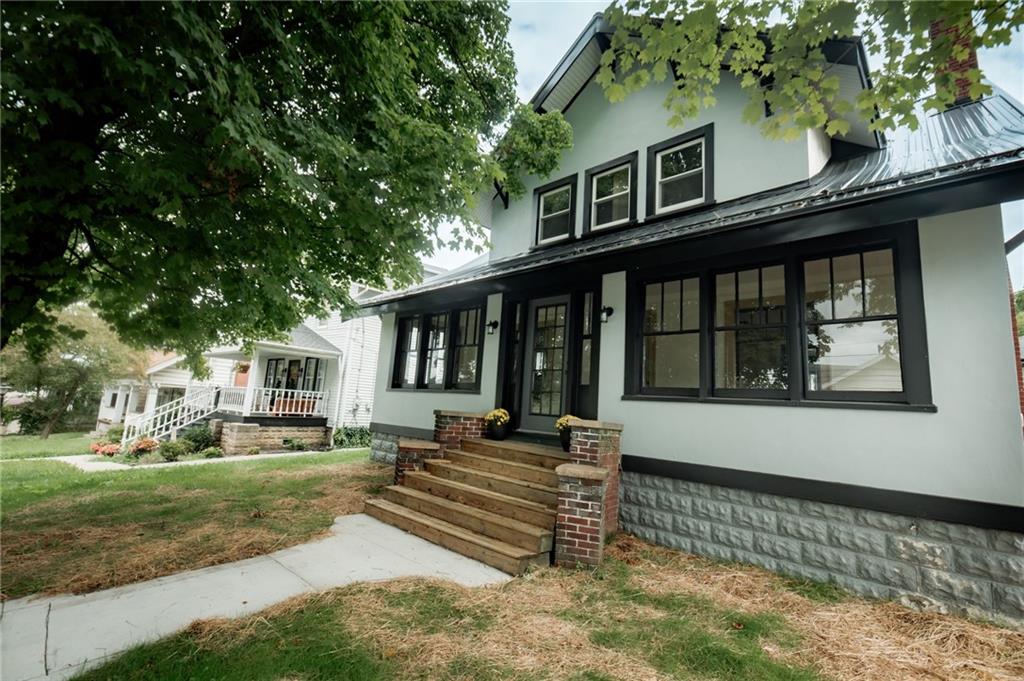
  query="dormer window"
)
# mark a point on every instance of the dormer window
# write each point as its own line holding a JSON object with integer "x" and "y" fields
{"x": 679, "y": 172}
{"x": 556, "y": 210}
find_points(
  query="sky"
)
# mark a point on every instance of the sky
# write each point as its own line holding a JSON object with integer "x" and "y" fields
{"x": 541, "y": 32}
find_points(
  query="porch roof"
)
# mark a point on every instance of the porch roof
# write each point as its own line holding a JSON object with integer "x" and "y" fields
{"x": 970, "y": 141}
{"x": 301, "y": 340}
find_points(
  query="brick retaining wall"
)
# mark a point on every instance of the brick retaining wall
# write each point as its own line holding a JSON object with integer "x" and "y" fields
{"x": 239, "y": 438}
{"x": 922, "y": 563}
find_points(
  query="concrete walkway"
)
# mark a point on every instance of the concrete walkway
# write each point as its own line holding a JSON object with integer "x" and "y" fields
{"x": 91, "y": 463}
{"x": 55, "y": 638}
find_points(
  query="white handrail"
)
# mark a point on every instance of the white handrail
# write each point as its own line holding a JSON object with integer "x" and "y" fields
{"x": 285, "y": 402}
{"x": 163, "y": 420}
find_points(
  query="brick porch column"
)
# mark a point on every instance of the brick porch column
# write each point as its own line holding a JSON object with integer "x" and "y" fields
{"x": 596, "y": 443}
{"x": 579, "y": 528}
{"x": 451, "y": 426}
{"x": 412, "y": 454}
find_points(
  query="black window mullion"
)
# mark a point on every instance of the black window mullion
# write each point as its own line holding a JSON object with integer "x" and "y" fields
{"x": 796, "y": 329}
{"x": 864, "y": 287}
{"x": 423, "y": 341}
{"x": 706, "y": 329}
{"x": 451, "y": 349}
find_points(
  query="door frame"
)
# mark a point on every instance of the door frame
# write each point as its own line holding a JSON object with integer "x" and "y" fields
{"x": 538, "y": 422}
{"x": 511, "y": 358}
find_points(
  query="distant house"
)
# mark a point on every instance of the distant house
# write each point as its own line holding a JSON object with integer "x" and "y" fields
{"x": 321, "y": 376}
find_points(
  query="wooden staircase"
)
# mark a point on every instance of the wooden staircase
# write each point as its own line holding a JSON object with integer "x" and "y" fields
{"x": 489, "y": 500}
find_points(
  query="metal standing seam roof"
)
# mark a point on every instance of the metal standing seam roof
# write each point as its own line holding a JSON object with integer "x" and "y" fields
{"x": 955, "y": 143}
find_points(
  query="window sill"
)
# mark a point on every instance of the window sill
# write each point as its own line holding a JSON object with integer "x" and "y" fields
{"x": 654, "y": 216}
{"x": 553, "y": 242}
{"x": 827, "y": 404}
{"x": 434, "y": 391}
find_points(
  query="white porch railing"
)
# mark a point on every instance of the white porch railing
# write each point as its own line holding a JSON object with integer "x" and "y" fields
{"x": 232, "y": 399}
{"x": 201, "y": 401}
{"x": 284, "y": 402}
{"x": 198, "y": 402}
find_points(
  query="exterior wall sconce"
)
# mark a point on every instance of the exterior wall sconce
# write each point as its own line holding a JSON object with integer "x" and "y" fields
{"x": 606, "y": 313}
{"x": 492, "y": 326}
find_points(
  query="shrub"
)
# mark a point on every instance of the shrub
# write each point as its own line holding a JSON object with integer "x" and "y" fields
{"x": 114, "y": 433}
{"x": 352, "y": 436}
{"x": 212, "y": 453}
{"x": 199, "y": 435}
{"x": 31, "y": 416}
{"x": 106, "y": 448}
{"x": 172, "y": 450}
{"x": 295, "y": 445}
{"x": 252, "y": 451}
{"x": 143, "y": 446}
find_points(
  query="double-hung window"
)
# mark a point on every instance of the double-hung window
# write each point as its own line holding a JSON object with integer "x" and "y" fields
{"x": 852, "y": 324}
{"x": 671, "y": 335}
{"x": 556, "y": 210}
{"x": 611, "y": 198}
{"x": 833, "y": 320}
{"x": 680, "y": 172}
{"x": 439, "y": 350}
{"x": 750, "y": 330}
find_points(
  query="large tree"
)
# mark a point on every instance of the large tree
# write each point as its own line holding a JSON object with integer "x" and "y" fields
{"x": 774, "y": 48}
{"x": 208, "y": 173}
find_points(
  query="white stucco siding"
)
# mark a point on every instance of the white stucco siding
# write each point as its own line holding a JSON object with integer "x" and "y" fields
{"x": 970, "y": 449}
{"x": 415, "y": 409}
{"x": 745, "y": 162}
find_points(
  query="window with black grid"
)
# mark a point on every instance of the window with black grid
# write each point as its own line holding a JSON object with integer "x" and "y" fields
{"x": 435, "y": 351}
{"x": 467, "y": 349}
{"x": 407, "y": 355}
{"x": 671, "y": 335}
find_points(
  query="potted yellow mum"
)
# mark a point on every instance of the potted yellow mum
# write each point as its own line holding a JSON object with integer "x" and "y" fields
{"x": 564, "y": 430}
{"x": 496, "y": 423}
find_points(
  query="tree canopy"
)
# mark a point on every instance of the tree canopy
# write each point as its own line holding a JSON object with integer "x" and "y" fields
{"x": 210, "y": 173}
{"x": 774, "y": 48}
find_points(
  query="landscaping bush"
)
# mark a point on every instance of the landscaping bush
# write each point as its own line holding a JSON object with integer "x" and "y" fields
{"x": 172, "y": 450}
{"x": 114, "y": 433}
{"x": 252, "y": 451}
{"x": 199, "y": 435}
{"x": 143, "y": 446}
{"x": 106, "y": 448}
{"x": 352, "y": 436}
{"x": 295, "y": 445}
{"x": 31, "y": 416}
{"x": 212, "y": 453}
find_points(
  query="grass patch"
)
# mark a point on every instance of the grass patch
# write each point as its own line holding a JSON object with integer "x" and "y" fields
{"x": 34, "y": 447}
{"x": 822, "y": 592}
{"x": 431, "y": 609}
{"x": 69, "y": 531}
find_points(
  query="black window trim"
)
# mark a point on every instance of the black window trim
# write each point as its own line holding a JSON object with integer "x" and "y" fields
{"x": 701, "y": 336}
{"x": 449, "y": 385}
{"x": 630, "y": 159}
{"x": 902, "y": 238}
{"x": 707, "y": 132}
{"x": 570, "y": 181}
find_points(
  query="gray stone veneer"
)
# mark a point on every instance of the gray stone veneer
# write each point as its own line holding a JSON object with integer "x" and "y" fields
{"x": 922, "y": 563}
{"x": 383, "y": 447}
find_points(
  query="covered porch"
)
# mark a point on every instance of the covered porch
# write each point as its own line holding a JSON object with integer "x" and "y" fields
{"x": 281, "y": 381}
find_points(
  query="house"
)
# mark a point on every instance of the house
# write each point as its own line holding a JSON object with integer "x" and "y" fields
{"x": 805, "y": 344}
{"x": 319, "y": 378}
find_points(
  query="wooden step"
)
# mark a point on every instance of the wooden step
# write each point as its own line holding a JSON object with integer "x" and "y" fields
{"x": 512, "y": 469}
{"x": 523, "y": 452}
{"x": 477, "y": 520}
{"x": 511, "y": 507}
{"x": 494, "y": 482}
{"x": 507, "y": 558}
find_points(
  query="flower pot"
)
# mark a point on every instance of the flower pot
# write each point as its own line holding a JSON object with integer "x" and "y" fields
{"x": 565, "y": 436}
{"x": 496, "y": 432}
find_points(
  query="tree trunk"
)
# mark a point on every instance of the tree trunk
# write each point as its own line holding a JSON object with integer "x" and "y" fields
{"x": 65, "y": 402}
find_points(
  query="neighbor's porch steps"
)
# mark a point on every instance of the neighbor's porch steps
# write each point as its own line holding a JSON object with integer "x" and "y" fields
{"x": 492, "y": 501}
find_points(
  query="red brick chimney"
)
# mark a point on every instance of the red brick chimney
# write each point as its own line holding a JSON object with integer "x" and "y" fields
{"x": 958, "y": 34}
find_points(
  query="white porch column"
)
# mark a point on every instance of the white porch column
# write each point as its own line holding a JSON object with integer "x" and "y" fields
{"x": 119, "y": 404}
{"x": 250, "y": 382}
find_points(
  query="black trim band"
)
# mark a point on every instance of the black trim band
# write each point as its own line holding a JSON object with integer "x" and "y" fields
{"x": 273, "y": 421}
{"x": 402, "y": 431}
{"x": 946, "y": 509}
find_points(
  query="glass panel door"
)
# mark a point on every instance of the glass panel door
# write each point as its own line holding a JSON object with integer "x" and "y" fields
{"x": 544, "y": 370}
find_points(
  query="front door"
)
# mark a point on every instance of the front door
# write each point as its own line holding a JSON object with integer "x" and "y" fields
{"x": 291, "y": 381}
{"x": 544, "y": 371}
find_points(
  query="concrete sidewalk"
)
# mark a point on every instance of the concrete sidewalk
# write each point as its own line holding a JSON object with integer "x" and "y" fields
{"x": 91, "y": 463}
{"x": 55, "y": 638}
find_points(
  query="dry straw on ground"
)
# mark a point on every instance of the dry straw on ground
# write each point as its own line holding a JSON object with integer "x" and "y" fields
{"x": 527, "y": 629}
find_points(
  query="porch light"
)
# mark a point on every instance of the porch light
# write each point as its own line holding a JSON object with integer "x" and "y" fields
{"x": 606, "y": 313}
{"x": 492, "y": 326}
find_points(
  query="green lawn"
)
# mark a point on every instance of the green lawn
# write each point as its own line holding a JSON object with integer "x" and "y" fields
{"x": 647, "y": 613}
{"x": 64, "y": 530}
{"x": 34, "y": 447}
